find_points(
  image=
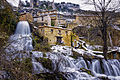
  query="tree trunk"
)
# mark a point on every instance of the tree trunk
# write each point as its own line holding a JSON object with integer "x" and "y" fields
{"x": 104, "y": 33}
{"x": 105, "y": 48}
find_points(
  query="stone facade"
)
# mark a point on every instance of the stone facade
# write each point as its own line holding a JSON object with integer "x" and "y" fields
{"x": 56, "y": 35}
{"x": 43, "y": 19}
{"x": 59, "y": 19}
{"x": 26, "y": 17}
{"x": 113, "y": 55}
{"x": 58, "y": 27}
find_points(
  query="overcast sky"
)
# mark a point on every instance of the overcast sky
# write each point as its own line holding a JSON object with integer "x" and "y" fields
{"x": 80, "y": 2}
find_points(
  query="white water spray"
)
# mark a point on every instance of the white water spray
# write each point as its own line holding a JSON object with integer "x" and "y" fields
{"x": 21, "y": 40}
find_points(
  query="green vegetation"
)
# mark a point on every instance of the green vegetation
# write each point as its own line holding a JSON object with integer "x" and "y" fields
{"x": 75, "y": 55}
{"x": 87, "y": 71}
{"x": 46, "y": 62}
{"x": 40, "y": 43}
{"x": 8, "y": 21}
{"x": 51, "y": 76}
{"x": 15, "y": 68}
{"x": 52, "y": 23}
{"x": 28, "y": 65}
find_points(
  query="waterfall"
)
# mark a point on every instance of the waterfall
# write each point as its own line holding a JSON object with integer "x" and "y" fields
{"x": 78, "y": 69}
{"x": 110, "y": 40}
{"x": 21, "y": 40}
{"x": 23, "y": 28}
{"x": 96, "y": 67}
{"x": 62, "y": 58}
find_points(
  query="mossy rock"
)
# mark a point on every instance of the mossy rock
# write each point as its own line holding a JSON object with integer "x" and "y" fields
{"x": 46, "y": 62}
{"x": 75, "y": 55}
{"x": 44, "y": 55}
{"x": 41, "y": 47}
{"x": 51, "y": 76}
{"x": 40, "y": 43}
{"x": 87, "y": 71}
{"x": 104, "y": 78}
{"x": 28, "y": 65}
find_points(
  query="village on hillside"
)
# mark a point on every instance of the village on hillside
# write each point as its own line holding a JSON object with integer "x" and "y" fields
{"x": 58, "y": 25}
{"x": 47, "y": 40}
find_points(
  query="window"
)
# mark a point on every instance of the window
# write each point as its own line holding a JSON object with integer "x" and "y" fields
{"x": 114, "y": 55}
{"x": 51, "y": 30}
{"x": 42, "y": 30}
{"x": 52, "y": 23}
{"x": 59, "y": 32}
{"x": 66, "y": 32}
{"x": 59, "y": 40}
{"x": 42, "y": 18}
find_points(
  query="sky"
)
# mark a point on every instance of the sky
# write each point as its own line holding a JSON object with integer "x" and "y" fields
{"x": 80, "y": 2}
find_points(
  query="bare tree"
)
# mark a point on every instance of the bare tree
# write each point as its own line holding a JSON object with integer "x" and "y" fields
{"x": 107, "y": 14}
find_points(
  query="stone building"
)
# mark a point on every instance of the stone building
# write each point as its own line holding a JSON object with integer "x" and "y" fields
{"x": 52, "y": 25}
{"x": 43, "y": 20}
{"x": 56, "y": 27}
{"x": 56, "y": 35}
{"x": 113, "y": 55}
{"x": 59, "y": 19}
{"x": 26, "y": 17}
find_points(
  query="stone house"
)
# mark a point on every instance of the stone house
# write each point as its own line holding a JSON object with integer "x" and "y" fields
{"x": 26, "y": 17}
{"x": 56, "y": 27}
{"x": 43, "y": 20}
{"x": 59, "y": 19}
{"x": 52, "y": 26}
{"x": 56, "y": 35}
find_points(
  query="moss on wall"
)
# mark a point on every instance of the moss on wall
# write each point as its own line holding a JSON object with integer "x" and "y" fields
{"x": 52, "y": 33}
{"x": 40, "y": 43}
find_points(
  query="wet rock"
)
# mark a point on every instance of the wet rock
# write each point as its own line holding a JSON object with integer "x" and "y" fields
{"x": 3, "y": 75}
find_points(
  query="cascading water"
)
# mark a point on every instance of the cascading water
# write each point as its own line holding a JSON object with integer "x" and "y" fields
{"x": 110, "y": 40}
{"x": 62, "y": 60}
{"x": 96, "y": 67}
{"x": 21, "y": 40}
{"x": 79, "y": 69}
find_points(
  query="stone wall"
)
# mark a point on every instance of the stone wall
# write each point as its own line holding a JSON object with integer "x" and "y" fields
{"x": 113, "y": 55}
{"x": 26, "y": 17}
{"x": 53, "y": 32}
